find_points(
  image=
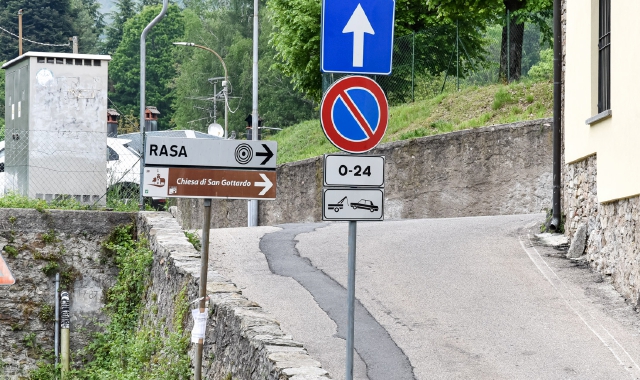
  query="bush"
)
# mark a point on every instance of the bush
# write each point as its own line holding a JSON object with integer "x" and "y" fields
{"x": 543, "y": 70}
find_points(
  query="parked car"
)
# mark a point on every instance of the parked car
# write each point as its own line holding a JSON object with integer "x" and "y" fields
{"x": 123, "y": 162}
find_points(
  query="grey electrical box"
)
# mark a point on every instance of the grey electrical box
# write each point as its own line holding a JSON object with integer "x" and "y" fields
{"x": 56, "y": 126}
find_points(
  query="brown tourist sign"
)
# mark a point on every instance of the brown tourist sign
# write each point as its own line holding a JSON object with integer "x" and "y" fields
{"x": 178, "y": 182}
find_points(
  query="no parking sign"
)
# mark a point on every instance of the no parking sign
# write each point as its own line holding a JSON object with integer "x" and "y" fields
{"x": 354, "y": 114}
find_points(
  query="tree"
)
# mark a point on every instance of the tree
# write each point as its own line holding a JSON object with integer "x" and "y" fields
{"x": 515, "y": 12}
{"x": 124, "y": 70}
{"x": 88, "y": 25}
{"x": 296, "y": 38}
{"x": 125, "y": 9}
{"x": 227, "y": 29}
{"x": 45, "y": 21}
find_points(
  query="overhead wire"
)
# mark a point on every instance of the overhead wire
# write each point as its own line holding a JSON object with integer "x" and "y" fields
{"x": 35, "y": 42}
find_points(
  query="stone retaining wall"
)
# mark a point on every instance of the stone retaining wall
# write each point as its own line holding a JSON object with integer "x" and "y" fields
{"x": 242, "y": 340}
{"x": 35, "y": 242}
{"x": 613, "y": 235}
{"x": 494, "y": 170}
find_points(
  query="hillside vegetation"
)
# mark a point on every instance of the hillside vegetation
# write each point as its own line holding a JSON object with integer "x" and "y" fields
{"x": 470, "y": 107}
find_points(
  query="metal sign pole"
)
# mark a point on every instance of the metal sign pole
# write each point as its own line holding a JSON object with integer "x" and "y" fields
{"x": 351, "y": 296}
{"x": 204, "y": 268}
{"x": 143, "y": 84}
{"x": 252, "y": 205}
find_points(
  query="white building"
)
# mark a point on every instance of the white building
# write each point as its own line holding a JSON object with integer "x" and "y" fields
{"x": 56, "y": 126}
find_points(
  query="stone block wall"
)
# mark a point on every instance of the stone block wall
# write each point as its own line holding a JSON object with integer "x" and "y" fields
{"x": 613, "y": 233}
{"x": 495, "y": 170}
{"x": 36, "y": 245}
{"x": 242, "y": 340}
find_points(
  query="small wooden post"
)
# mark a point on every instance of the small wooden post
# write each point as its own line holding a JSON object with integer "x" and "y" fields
{"x": 20, "y": 32}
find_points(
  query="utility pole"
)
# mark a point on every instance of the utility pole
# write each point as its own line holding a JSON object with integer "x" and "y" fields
{"x": 20, "y": 32}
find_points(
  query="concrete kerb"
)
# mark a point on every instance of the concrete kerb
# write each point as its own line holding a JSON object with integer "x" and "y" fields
{"x": 242, "y": 339}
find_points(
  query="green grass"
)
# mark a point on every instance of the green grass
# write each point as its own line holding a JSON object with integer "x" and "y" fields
{"x": 194, "y": 240}
{"x": 13, "y": 200}
{"x": 470, "y": 107}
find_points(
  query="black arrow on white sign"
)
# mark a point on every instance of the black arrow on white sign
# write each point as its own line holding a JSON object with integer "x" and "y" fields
{"x": 267, "y": 154}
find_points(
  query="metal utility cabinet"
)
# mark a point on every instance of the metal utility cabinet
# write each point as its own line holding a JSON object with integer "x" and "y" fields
{"x": 56, "y": 126}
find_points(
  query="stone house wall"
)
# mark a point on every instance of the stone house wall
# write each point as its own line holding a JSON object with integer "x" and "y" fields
{"x": 613, "y": 234}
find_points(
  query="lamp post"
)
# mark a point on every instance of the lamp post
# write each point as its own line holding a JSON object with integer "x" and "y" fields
{"x": 225, "y": 83}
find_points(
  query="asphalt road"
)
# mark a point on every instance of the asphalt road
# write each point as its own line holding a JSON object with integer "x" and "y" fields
{"x": 464, "y": 298}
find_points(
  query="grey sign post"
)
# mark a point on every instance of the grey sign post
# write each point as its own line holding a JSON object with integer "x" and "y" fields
{"x": 354, "y": 190}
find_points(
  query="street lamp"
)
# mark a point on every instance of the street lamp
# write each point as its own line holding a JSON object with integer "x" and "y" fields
{"x": 225, "y": 83}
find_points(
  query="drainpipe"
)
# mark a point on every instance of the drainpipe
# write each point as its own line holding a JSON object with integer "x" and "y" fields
{"x": 557, "y": 109}
{"x": 64, "y": 333}
{"x": 143, "y": 79}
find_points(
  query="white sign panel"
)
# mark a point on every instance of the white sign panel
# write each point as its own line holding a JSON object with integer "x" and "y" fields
{"x": 352, "y": 204}
{"x": 181, "y": 151}
{"x": 347, "y": 170}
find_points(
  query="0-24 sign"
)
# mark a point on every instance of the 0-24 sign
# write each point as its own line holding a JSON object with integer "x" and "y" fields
{"x": 347, "y": 170}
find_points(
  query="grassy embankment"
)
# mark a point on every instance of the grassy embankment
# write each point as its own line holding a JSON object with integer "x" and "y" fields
{"x": 469, "y": 108}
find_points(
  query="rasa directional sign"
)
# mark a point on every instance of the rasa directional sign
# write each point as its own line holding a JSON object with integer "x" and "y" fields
{"x": 352, "y": 204}
{"x": 354, "y": 114}
{"x": 347, "y": 170}
{"x": 180, "y": 151}
{"x": 357, "y": 36}
{"x": 209, "y": 183}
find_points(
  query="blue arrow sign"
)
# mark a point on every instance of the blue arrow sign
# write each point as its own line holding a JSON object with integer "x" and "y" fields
{"x": 357, "y": 36}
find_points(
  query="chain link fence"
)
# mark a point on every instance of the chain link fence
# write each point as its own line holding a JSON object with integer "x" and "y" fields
{"x": 449, "y": 57}
{"x": 69, "y": 167}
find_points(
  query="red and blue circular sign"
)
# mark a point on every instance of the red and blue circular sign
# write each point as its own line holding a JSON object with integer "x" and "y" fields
{"x": 354, "y": 114}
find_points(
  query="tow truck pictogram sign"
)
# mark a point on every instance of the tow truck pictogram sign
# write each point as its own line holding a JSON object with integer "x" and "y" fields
{"x": 338, "y": 207}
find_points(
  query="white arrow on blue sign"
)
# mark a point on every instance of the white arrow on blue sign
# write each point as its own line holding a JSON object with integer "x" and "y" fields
{"x": 357, "y": 36}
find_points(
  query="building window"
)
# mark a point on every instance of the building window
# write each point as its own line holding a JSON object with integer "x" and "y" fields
{"x": 604, "y": 57}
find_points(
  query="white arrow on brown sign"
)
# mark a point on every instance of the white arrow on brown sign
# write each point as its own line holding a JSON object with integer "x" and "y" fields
{"x": 209, "y": 183}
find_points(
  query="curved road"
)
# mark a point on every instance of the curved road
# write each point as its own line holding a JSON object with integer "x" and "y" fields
{"x": 464, "y": 298}
{"x": 372, "y": 342}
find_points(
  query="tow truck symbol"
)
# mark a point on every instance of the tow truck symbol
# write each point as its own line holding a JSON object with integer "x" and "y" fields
{"x": 362, "y": 204}
{"x": 337, "y": 206}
